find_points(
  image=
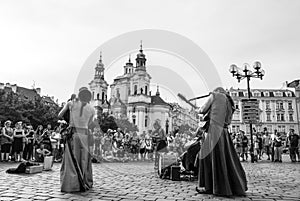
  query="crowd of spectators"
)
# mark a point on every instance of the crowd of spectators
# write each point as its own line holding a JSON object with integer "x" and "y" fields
{"x": 22, "y": 142}
{"x": 116, "y": 145}
{"x": 271, "y": 145}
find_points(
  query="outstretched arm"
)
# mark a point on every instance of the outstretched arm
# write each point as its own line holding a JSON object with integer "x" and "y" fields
{"x": 65, "y": 108}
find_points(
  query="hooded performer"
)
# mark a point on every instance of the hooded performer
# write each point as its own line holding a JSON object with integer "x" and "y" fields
{"x": 220, "y": 170}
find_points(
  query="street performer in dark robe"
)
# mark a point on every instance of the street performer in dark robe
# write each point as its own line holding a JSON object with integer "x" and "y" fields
{"x": 220, "y": 170}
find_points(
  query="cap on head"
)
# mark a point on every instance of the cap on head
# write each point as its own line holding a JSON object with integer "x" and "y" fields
{"x": 220, "y": 90}
{"x": 7, "y": 122}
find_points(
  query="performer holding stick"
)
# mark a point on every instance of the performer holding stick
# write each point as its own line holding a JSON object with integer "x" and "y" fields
{"x": 220, "y": 170}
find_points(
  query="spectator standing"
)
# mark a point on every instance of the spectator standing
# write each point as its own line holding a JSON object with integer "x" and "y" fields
{"x": 54, "y": 139}
{"x": 6, "y": 136}
{"x": 18, "y": 142}
{"x": 278, "y": 143}
{"x": 28, "y": 150}
{"x": 293, "y": 140}
{"x": 134, "y": 141}
{"x": 245, "y": 142}
{"x": 267, "y": 142}
{"x": 46, "y": 141}
{"x": 237, "y": 144}
{"x": 37, "y": 138}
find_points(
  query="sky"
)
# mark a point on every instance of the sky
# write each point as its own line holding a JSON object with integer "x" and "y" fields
{"x": 48, "y": 42}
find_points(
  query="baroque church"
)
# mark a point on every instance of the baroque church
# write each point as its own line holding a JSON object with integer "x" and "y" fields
{"x": 130, "y": 95}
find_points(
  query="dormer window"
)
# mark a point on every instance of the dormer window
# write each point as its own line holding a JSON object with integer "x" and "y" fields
{"x": 233, "y": 94}
{"x": 278, "y": 94}
{"x": 266, "y": 93}
{"x": 256, "y": 94}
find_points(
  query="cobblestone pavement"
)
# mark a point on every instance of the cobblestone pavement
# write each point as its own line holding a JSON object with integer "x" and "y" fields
{"x": 136, "y": 181}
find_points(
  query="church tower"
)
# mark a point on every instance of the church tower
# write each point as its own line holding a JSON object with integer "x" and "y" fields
{"x": 98, "y": 87}
{"x": 128, "y": 68}
{"x": 141, "y": 60}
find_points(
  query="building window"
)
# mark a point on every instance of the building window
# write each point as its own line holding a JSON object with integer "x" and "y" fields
{"x": 288, "y": 94}
{"x": 291, "y": 118}
{"x": 236, "y": 105}
{"x": 133, "y": 119}
{"x": 146, "y": 121}
{"x": 146, "y": 90}
{"x": 146, "y": 110}
{"x": 282, "y": 117}
{"x": 278, "y": 117}
{"x": 135, "y": 89}
{"x": 118, "y": 93}
{"x": 93, "y": 95}
{"x": 290, "y": 105}
{"x": 133, "y": 110}
{"x": 233, "y": 94}
{"x": 128, "y": 91}
{"x": 266, "y": 94}
{"x": 279, "y": 105}
{"x": 103, "y": 97}
{"x": 268, "y": 105}
{"x": 256, "y": 94}
{"x": 268, "y": 117}
{"x": 98, "y": 96}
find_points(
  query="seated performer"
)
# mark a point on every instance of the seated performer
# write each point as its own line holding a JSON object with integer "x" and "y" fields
{"x": 220, "y": 170}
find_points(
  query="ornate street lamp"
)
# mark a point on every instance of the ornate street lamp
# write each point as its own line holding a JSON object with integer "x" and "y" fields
{"x": 245, "y": 72}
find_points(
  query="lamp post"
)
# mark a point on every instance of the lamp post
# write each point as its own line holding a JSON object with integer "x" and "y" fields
{"x": 242, "y": 73}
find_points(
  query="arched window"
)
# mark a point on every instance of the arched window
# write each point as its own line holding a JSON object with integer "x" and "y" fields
{"x": 103, "y": 97}
{"x": 146, "y": 121}
{"x": 135, "y": 89}
{"x": 133, "y": 119}
{"x": 146, "y": 90}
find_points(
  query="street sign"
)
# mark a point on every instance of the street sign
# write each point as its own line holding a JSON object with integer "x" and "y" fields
{"x": 250, "y": 111}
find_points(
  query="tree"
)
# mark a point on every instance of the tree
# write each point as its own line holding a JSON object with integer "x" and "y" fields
{"x": 18, "y": 108}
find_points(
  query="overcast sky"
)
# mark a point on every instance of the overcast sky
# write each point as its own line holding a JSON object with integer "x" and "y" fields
{"x": 49, "y": 41}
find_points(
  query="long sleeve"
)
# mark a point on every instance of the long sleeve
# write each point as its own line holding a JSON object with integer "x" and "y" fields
{"x": 205, "y": 107}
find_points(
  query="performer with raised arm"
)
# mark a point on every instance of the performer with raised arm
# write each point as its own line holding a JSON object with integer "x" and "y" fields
{"x": 220, "y": 170}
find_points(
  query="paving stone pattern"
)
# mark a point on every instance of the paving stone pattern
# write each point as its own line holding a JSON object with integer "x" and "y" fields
{"x": 137, "y": 181}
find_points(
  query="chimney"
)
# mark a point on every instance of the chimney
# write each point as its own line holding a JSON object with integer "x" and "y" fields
{"x": 14, "y": 88}
{"x": 38, "y": 91}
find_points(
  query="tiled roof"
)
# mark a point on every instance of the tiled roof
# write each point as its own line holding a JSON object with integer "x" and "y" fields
{"x": 157, "y": 100}
{"x": 27, "y": 93}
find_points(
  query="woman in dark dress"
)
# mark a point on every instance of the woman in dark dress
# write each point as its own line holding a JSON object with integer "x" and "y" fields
{"x": 76, "y": 169}
{"x": 220, "y": 172}
{"x": 18, "y": 142}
